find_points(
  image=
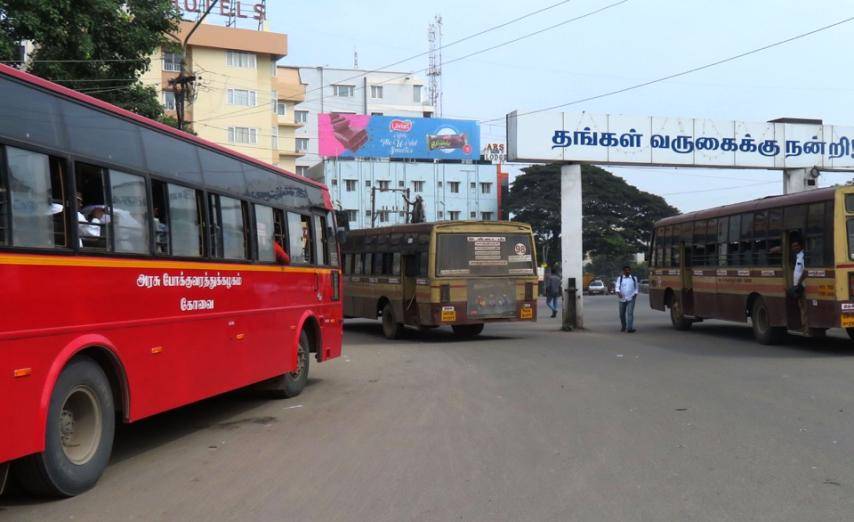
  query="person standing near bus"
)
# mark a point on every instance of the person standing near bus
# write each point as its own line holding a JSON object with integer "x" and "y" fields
{"x": 552, "y": 290}
{"x": 627, "y": 290}
{"x": 798, "y": 292}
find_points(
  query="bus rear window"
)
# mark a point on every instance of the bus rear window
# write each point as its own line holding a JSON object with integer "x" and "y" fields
{"x": 484, "y": 254}
{"x": 849, "y": 202}
{"x": 850, "y": 225}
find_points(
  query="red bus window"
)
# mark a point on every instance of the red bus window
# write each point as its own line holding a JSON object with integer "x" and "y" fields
{"x": 35, "y": 198}
{"x": 128, "y": 212}
{"x": 299, "y": 239}
{"x": 92, "y": 219}
{"x": 265, "y": 231}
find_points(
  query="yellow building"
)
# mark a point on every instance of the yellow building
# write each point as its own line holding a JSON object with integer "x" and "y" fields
{"x": 240, "y": 101}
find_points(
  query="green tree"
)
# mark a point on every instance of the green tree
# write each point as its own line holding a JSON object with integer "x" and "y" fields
{"x": 617, "y": 217}
{"x": 98, "y": 46}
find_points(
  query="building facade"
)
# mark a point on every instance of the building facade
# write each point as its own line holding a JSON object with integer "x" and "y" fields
{"x": 450, "y": 191}
{"x": 353, "y": 91}
{"x": 240, "y": 99}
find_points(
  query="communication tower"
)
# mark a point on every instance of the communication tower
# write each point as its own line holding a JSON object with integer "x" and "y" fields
{"x": 434, "y": 62}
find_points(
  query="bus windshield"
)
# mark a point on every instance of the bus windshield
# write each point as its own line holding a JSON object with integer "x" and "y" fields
{"x": 483, "y": 254}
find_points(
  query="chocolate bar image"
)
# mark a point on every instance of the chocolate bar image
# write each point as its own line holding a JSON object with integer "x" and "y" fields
{"x": 351, "y": 139}
{"x": 446, "y": 141}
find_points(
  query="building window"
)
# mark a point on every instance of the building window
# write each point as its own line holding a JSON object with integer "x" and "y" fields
{"x": 472, "y": 215}
{"x": 334, "y": 182}
{"x": 302, "y": 144}
{"x": 274, "y": 138}
{"x": 300, "y": 116}
{"x": 247, "y": 135}
{"x": 350, "y": 185}
{"x": 400, "y": 214}
{"x": 241, "y": 59}
{"x": 416, "y": 93}
{"x": 454, "y": 215}
{"x": 455, "y": 186}
{"x": 439, "y": 184}
{"x": 352, "y": 215}
{"x": 368, "y": 214}
{"x": 486, "y": 216}
{"x": 376, "y": 91}
{"x": 367, "y": 183}
{"x": 242, "y": 97}
{"x": 281, "y": 108}
{"x": 169, "y": 100}
{"x": 376, "y": 114}
{"x": 418, "y": 186}
{"x": 172, "y": 62}
{"x": 440, "y": 214}
{"x": 382, "y": 215}
{"x": 472, "y": 185}
{"x": 345, "y": 91}
{"x": 302, "y": 170}
{"x": 383, "y": 184}
{"x": 486, "y": 188}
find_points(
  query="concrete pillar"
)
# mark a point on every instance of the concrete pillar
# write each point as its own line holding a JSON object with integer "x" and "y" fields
{"x": 798, "y": 180}
{"x": 572, "y": 256}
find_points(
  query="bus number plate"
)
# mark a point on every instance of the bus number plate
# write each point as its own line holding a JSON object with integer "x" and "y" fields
{"x": 449, "y": 314}
{"x": 847, "y": 320}
{"x": 526, "y": 313}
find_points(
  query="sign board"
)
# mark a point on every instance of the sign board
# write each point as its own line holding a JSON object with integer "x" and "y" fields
{"x": 363, "y": 136}
{"x": 495, "y": 152}
{"x": 654, "y": 140}
{"x": 230, "y": 8}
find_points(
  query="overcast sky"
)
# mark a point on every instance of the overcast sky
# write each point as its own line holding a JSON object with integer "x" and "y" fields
{"x": 627, "y": 44}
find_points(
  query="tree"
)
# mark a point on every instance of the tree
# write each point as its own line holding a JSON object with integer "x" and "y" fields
{"x": 98, "y": 46}
{"x": 617, "y": 217}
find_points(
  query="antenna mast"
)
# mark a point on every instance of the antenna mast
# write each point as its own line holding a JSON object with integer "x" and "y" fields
{"x": 434, "y": 63}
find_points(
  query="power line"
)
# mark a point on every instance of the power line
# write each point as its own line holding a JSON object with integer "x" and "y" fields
{"x": 458, "y": 59}
{"x": 722, "y": 188}
{"x": 683, "y": 73}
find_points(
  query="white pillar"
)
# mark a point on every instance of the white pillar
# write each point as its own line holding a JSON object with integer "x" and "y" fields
{"x": 798, "y": 180}
{"x": 572, "y": 256}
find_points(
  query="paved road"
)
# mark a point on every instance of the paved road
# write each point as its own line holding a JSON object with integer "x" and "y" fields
{"x": 527, "y": 423}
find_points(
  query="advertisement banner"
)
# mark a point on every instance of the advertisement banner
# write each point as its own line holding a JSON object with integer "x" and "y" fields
{"x": 363, "y": 136}
{"x": 608, "y": 139}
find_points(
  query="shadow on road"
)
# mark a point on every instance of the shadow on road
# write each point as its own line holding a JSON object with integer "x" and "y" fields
{"x": 737, "y": 340}
{"x": 223, "y": 412}
{"x": 372, "y": 330}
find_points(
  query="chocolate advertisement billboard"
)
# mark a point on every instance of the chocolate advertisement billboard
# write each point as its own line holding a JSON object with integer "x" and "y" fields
{"x": 363, "y": 136}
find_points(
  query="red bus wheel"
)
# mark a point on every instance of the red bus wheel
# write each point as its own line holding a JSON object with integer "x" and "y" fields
{"x": 291, "y": 384}
{"x": 78, "y": 434}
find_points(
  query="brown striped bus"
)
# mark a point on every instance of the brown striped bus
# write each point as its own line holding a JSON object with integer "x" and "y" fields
{"x": 461, "y": 274}
{"x": 734, "y": 263}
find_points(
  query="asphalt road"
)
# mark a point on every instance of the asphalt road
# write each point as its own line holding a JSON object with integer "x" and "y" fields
{"x": 526, "y": 423}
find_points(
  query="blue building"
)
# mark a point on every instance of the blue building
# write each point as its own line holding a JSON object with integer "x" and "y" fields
{"x": 451, "y": 191}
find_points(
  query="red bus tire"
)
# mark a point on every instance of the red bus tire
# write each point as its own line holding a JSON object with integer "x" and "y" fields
{"x": 467, "y": 330}
{"x": 79, "y": 434}
{"x": 291, "y": 384}
{"x": 762, "y": 330}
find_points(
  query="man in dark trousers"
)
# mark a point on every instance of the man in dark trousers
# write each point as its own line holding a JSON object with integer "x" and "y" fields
{"x": 552, "y": 290}
{"x": 627, "y": 290}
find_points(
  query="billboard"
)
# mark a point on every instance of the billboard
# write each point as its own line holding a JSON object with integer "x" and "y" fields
{"x": 363, "y": 136}
{"x": 655, "y": 140}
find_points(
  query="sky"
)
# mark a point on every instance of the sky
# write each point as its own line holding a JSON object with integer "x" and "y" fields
{"x": 626, "y": 44}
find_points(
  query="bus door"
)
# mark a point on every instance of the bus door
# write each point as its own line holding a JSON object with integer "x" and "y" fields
{"x": 410, "y": 276}
{"x": 793, "y": 313}
{"x": 686, "y": 278}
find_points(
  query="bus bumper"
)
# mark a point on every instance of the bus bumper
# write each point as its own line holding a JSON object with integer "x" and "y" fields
{"x": 457, "y": 313}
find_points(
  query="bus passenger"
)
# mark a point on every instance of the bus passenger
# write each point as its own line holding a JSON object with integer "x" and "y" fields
{"x": 797, "y": 291}
{"x": 627, "y": 290}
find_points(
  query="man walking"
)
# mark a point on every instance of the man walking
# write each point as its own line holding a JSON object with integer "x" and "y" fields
{"x": 552, "y": 290}
{"x": 797, "y": 291}
{"x": 627, "y": 291}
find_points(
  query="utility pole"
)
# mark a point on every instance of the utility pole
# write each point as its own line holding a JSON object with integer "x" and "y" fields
{"x": 374, "y": 190}
{"x": 184, "y": 83}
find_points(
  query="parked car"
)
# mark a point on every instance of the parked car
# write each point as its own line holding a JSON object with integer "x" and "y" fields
{"x": 644, "y": 286}
{"x": 597, "y": 287}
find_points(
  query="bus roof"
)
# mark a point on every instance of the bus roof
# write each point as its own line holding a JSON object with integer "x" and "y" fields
{"x": 415, "y": 228}
{"x": 147, "y": 122}
{"x": 809, "y": 196}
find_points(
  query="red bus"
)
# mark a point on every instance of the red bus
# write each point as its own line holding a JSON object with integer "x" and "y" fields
{"x": 143, "y": 269}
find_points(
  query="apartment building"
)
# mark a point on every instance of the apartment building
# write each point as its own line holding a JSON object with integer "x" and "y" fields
{"x": 240, "y": 101}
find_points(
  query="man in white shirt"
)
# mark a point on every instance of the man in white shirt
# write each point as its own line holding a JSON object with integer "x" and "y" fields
{"x": 798, "y": 291}
{"x": 627, "y": 291}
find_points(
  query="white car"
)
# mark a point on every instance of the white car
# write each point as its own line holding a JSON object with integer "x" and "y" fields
{"x": 596, "y": 287}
